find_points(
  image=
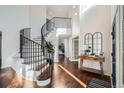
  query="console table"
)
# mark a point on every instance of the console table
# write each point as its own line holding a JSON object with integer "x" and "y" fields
{"x": 93, "y": 58}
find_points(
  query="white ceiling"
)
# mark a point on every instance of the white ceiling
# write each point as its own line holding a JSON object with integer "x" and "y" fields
{"x": 58, "y": 10}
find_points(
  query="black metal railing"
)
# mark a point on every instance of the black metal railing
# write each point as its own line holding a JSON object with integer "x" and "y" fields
{"x": 49, "y": 26}
{"x": 40, "y": 56}
{"x": 32, "y": 53}
{"x": 55, "y": 22}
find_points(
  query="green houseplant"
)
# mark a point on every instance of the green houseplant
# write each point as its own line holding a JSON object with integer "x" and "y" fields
{"x": 49, "y": 45}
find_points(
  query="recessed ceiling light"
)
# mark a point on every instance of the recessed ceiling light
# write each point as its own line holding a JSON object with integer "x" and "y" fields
{"x": 75, "y": 13}
{"x": 73, "y": 6}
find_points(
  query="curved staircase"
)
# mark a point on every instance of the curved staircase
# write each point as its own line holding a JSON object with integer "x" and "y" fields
{"x": 35, "y": 59}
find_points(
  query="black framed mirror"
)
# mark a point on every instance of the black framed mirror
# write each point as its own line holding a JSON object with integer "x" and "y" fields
{"x": 97, "y": 43}
{"x": 93, "y": 43}
{"x": 88, "y": 43}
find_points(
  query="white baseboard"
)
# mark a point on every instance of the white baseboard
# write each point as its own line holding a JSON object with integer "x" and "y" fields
{"x": 44, "y": 82}
{"x": 56, "y": 60}
{"x": 72, "y": 60}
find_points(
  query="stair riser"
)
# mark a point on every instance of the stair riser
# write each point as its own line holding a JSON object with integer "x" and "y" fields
{"x": 33, "y": 62}
{"x": 25, "y": 70}
{"x": 31, "y": 51}
{"x": 33, "y": 66}
{"x": 30, "y": 57}
{"x": 32, "y": 75}
{"x": 32, "y": 54}
{"x": 30, "y": 46}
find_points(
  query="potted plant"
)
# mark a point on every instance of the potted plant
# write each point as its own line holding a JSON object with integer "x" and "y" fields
{"x": 50, "y": 46}
{"x": 50, "y": 49}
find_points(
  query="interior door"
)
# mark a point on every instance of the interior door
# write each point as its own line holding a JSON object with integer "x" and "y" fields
{"x": 76, "y": 48}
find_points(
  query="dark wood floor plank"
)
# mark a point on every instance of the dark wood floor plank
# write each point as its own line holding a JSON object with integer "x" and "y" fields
{"x": 6, "y": 76}
{"x": 60, "y": 79}
{"x": 85, "y": 76}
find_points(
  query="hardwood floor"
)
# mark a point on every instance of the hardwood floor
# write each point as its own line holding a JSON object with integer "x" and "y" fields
{"x": 84, "y": 76}
{"x": 60, "y": 79}
{"x": 6, "y": 76}
{"x": 9, "y": 79}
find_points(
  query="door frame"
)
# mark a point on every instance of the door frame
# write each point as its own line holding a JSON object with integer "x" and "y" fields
{"x": 74, "y": 39}
{"x": 119, "y": 47}
{"x": 121, "y": 72}
{"x": 113, "y": 54}
{"x": 0, "y": 49}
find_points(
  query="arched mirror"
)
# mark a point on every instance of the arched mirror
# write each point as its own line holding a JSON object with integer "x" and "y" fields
{"x": 88, "y": 43}
{"x": 97, "y": 43}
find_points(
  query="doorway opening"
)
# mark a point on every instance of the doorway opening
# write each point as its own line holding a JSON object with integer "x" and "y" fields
{"x": 61, "y": 49}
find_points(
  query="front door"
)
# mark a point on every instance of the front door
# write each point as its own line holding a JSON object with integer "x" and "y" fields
{"x": 114, "y": 55}
{"x": 0, "y": 49}
{"x": 119, "y": 35}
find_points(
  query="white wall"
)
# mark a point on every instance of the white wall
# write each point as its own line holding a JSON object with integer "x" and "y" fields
{"x": 74, "y": 14}
{"x": 12, "y": 20}
{"x": 75, "y": 29}
{"x": 75, "y": 22}
{"x": 113, "y": 11}
{"x": 98, "y": 19}
{"x": 70, "y": 49}
{"x": 37, "y": 19}
{"x": 66, "y": 44}
{"x": 57, "y": 11}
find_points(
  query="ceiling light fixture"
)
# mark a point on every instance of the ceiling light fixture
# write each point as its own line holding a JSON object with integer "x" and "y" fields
{"x": 75, "y": 13}
{"x": 73, "y": 6}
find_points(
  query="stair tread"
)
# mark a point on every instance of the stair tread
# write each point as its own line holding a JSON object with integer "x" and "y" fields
{"x": 37, "y": 39}
{"x": 34, "y": 56}
{"x": 32, "y": 52}
{"x": 30, "y": 62}
{"x": 39, "y": 67}
{"x": 45, "y": 75}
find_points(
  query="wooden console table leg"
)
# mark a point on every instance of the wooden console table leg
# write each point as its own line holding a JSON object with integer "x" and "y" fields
{"x": 81, "y": 64}
{"x": 101, "y": 67}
